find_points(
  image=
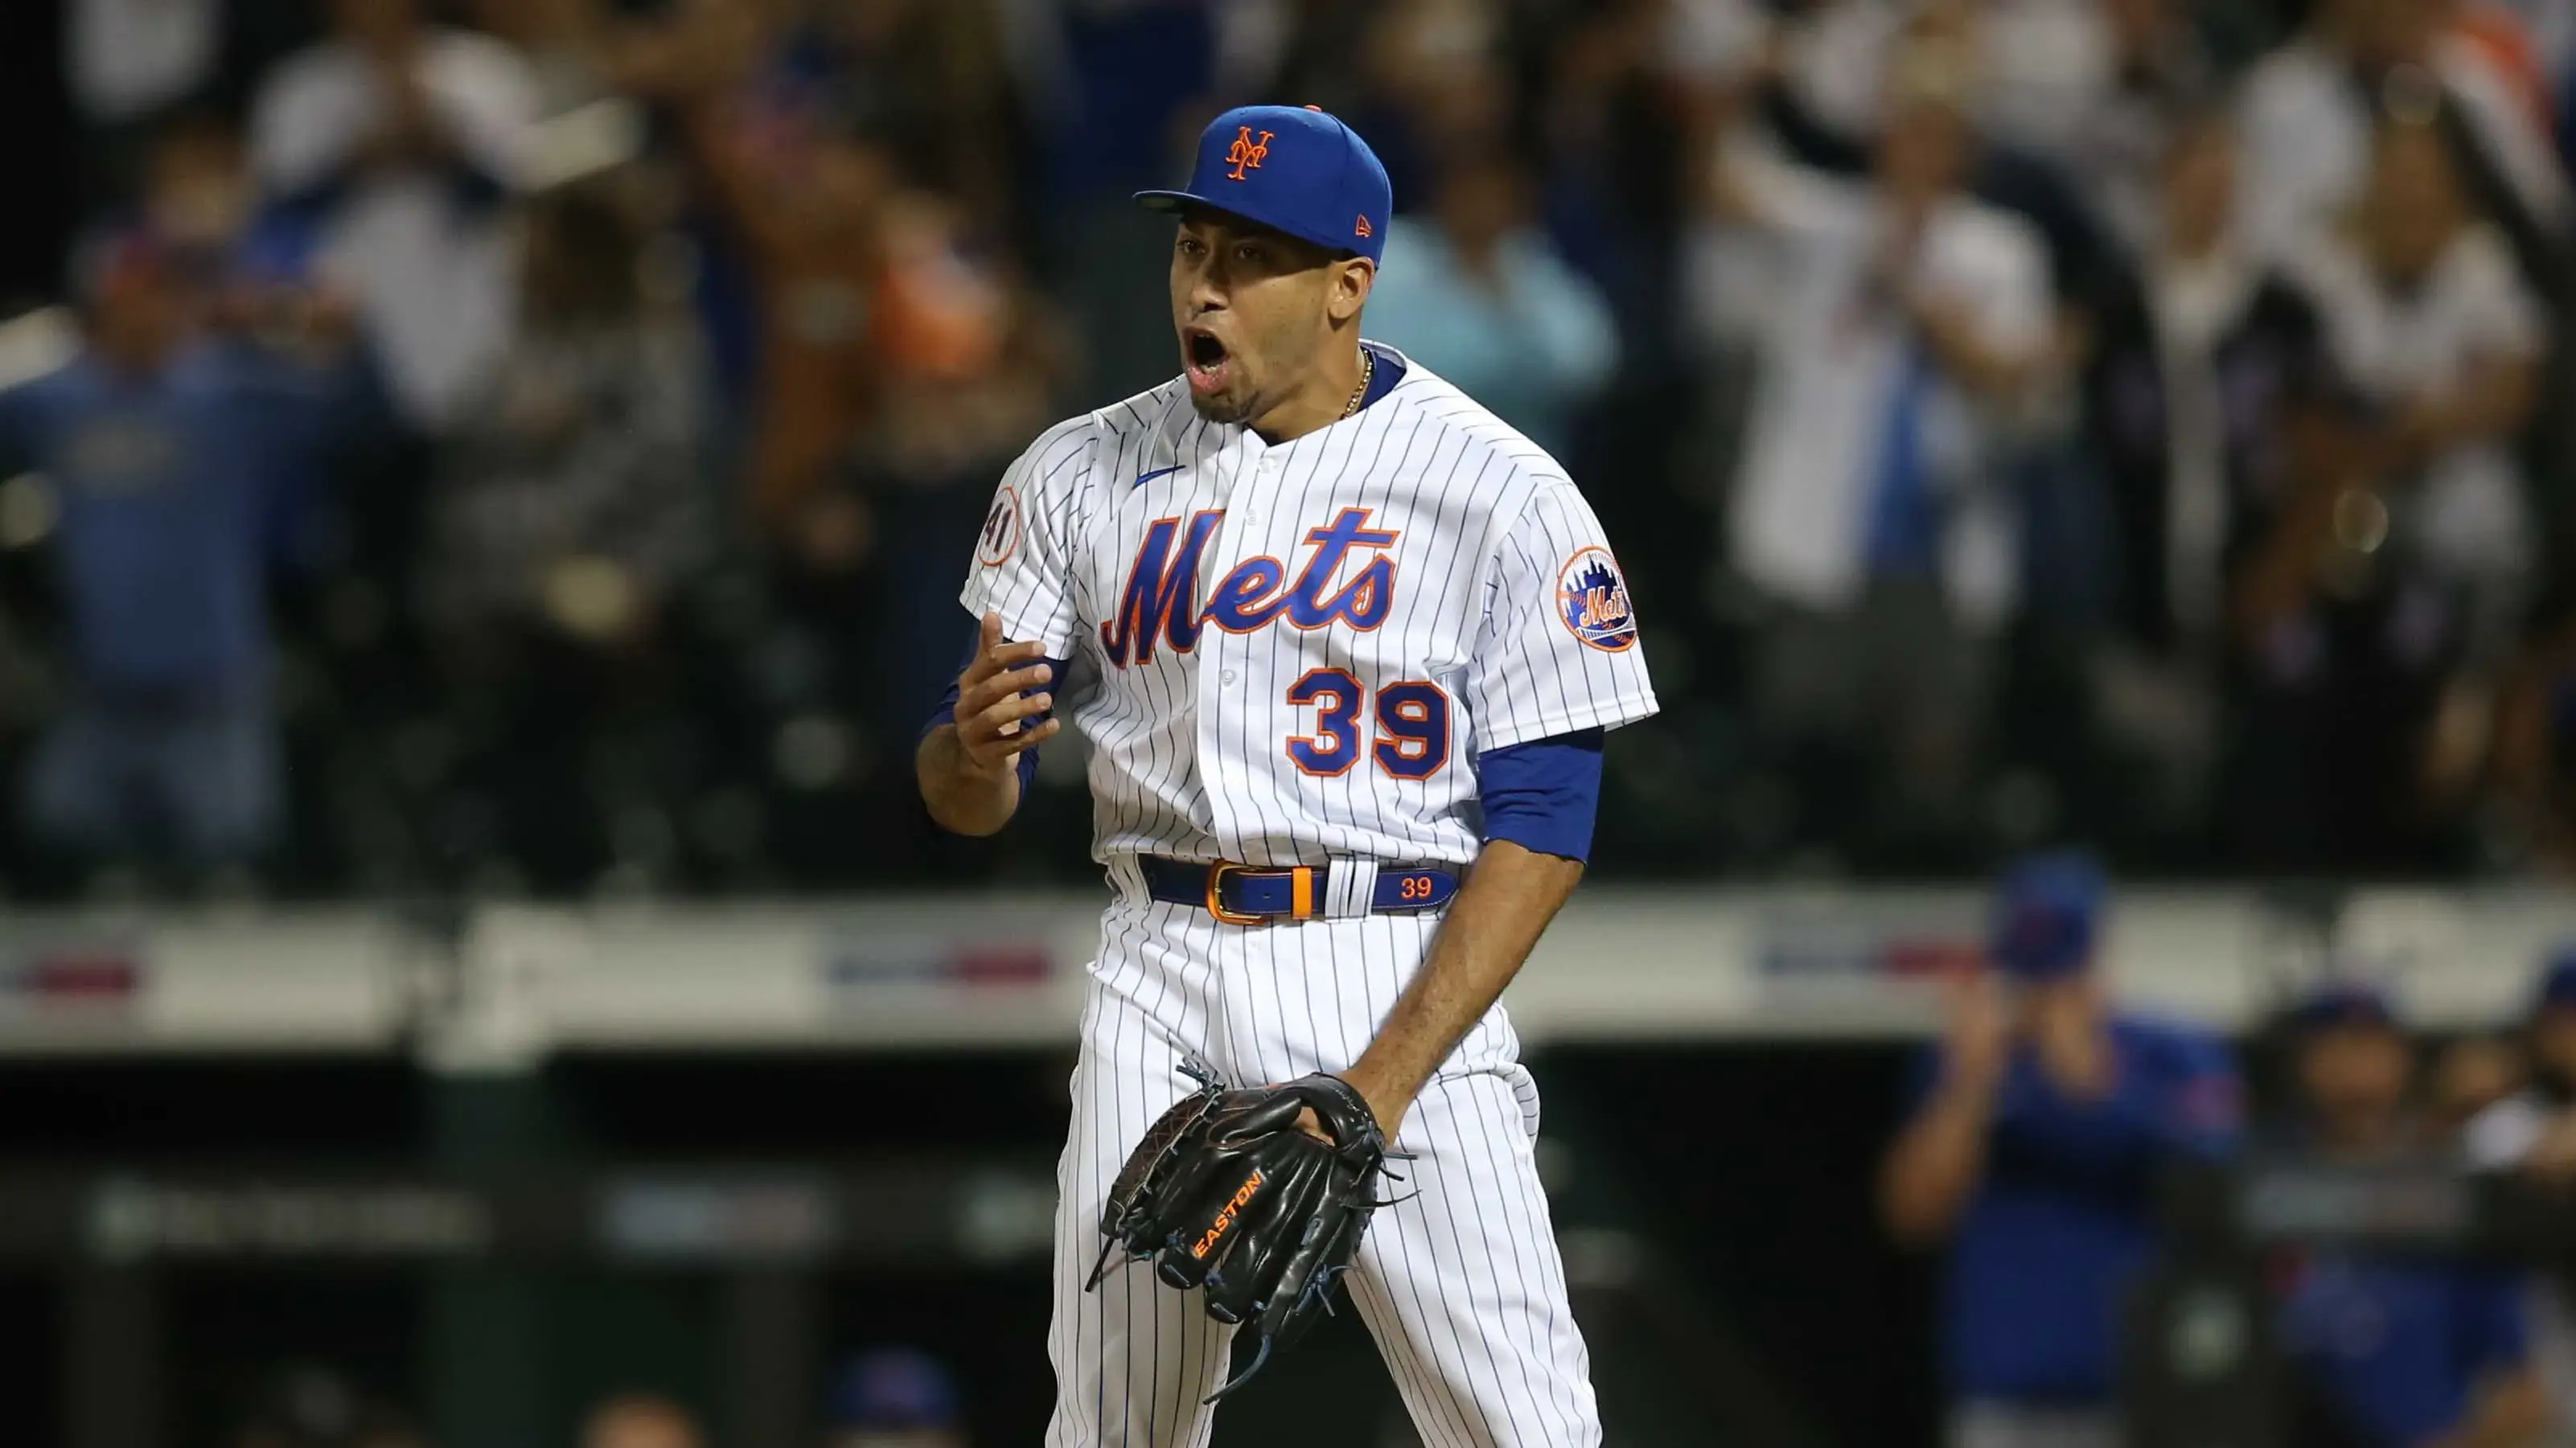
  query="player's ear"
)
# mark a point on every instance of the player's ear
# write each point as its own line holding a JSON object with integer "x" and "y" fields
{"x": 1352, "y": 279}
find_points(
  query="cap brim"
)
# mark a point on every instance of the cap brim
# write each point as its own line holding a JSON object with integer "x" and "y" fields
{"x": 1171, "y": 202}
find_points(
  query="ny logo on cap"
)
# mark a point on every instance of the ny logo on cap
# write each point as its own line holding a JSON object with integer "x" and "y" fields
{"x": 1246, "y": 152}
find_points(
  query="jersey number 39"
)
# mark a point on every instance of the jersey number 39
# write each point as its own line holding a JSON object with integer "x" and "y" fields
{"x": 1412, "y": 726}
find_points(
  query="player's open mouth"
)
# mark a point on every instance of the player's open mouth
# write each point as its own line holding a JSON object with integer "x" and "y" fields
{"x": 1210, "y": 366}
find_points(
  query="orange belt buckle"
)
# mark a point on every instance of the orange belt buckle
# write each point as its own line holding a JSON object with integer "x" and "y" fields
{"x": 1216, "y": 895}
{"x": 1301, "y": 892}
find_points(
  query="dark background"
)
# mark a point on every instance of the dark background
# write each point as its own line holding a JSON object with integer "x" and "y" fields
{"x": 1757, "y": 1217}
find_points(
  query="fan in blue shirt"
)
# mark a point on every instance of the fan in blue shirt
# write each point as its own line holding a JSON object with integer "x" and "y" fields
{"x": 172, "y": 456}
{"x": 2039, "y": 1130}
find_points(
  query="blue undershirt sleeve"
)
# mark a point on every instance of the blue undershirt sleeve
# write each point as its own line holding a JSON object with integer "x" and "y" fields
{"x": 946, "y": 712}
{"x": 1542, "y": 795}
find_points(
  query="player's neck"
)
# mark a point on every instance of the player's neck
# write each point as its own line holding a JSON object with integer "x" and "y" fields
{"x": 1323, "y": 399}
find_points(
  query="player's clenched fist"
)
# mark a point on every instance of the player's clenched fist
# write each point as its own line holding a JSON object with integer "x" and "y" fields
{"x": 998, "y": 698}
{"x": 968, "y": 768}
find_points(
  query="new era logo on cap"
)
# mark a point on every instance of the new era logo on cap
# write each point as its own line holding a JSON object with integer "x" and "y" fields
{"x": 1291, "y": 168}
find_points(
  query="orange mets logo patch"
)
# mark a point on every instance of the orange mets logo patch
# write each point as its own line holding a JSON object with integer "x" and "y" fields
{"x": 1592, "y": 599}
{"x": 1246, "y": 152}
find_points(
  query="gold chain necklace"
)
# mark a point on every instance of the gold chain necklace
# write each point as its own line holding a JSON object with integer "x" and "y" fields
{"x": 1368, "y": 373}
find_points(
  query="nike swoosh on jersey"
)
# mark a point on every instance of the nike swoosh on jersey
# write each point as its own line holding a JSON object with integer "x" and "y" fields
{"x": 1143, "y": 478}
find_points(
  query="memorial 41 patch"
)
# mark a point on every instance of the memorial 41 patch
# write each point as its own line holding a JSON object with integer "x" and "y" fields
{"x": 1001, "y": 536}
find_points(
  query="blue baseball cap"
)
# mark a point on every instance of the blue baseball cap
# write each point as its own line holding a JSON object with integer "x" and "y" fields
{"x": 2048, "y": 910}
{"x": 1294, "y": 169}
{"x": 2343, "y": 1002}
{"x": 2557, "y": 989}
{"x": 894, "y": 1388}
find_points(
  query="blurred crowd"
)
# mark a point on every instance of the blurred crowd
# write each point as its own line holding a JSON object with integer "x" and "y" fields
{"x": 532, "y": 445}
{"x": 2042, "y": 1141}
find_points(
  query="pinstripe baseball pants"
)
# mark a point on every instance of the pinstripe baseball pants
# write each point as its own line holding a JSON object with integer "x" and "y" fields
{"x": 1461, "y": 1285}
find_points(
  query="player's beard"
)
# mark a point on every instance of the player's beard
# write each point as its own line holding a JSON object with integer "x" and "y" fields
{"x": 1236, "y": 403}
{"x": 1230, "y": 408}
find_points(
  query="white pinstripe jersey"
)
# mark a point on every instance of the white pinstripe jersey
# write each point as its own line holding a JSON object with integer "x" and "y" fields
{"x": 1288, "y": 654}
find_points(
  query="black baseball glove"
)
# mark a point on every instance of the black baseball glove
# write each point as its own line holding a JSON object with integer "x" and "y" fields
{"x": 1228, "y": 1193}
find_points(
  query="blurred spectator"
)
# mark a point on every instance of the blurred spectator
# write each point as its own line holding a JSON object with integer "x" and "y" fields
{"x": 1115, "y": 92}
{"x": 2432, "y": 327}
{"x": 2535, "y": 764}
{"x": 570, "y": 47}
{"x": 2041, "y": 1125}
{"x": 2081, "y": 84}
{"x": 1717, "y": 48}
{"x": 2471, "y": 1076}
{"x": 2209, "y": 376}
{"x": 1116, "y": 88}
{"x": 2395, "y": 1352}
{"x": 895, "y": 1398}
{"x": 2534, "y": 1133}
{"x": 2050, "y": 69}
{"x": 397, "y": 141}
{"x": 1900, "y": 327}
{"x": 927, "y": 80}
{"x": 2382, "y": 592}
{"x": 1424, "y": 80}
{"x": 573, "y": 491}
{"x": 1478, "y": 295}
{"x": 969, "y": 366}
{"x": 2310, "y": 110}
{"x": 807, "y": 207}
{"x": 572, "y": 510}
{"x": 2032, "y": 82}
{"x": 173, "y": 453}
{"x": 1834, "y": 61}
{"x": 641, "y": 1420}
{"x": 1300, "y": 48}
{"x": 197, "y": 193}
{"x": 1441, "y": 88}
{"x": 2161, "y": 82}
{"x": 200, "y": 198}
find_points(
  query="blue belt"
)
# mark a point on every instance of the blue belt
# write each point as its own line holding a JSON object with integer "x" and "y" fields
{"x": 1256, "y": 894}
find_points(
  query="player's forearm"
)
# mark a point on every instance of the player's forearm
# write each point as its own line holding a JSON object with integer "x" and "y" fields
{"x": 1936, "y": 1164}
{"x": 1510, "y": 895}
{"x": 963, "y": 798}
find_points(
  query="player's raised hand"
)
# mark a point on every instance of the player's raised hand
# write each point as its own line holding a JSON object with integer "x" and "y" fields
{"x": 995, "y": 705}
{"x": 1982, "y": 1032}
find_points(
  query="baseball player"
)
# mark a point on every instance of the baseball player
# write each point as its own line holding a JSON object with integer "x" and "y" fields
{"x": 2032, "y": 1153}
{"x": 2394, "y": 1350}
{"x": 1343, "y": 647}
